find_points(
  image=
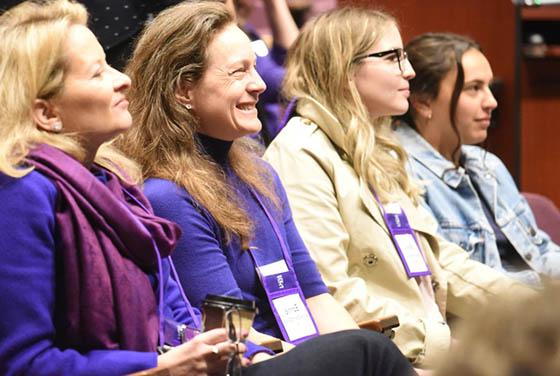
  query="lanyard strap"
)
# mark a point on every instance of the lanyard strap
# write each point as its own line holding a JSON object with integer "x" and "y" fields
{"x": 419, "y": 266}
{"x": 290, "y": 109}
{"x": 283, "y": 246}
{"x": 160, "y": 283}
{"x": 297, "y": 288}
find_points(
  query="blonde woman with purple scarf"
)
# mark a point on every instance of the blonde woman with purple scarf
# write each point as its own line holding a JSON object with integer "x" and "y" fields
{"x": 84, "y": 272}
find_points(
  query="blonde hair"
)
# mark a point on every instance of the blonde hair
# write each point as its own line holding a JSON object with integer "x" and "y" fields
{"x": 320, "y": 66}
{"x": 173, "y": 51}
{"x": 32, "y": 66}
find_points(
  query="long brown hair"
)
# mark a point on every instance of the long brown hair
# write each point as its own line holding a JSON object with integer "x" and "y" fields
{"x": 172, "y": 51}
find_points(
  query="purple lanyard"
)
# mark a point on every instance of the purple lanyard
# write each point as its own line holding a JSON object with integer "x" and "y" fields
{"x": 397, "y": 224}
{"x": 160, "y": 283}
{"x": 285, "y": 282}
{"x": 288, "y": 112}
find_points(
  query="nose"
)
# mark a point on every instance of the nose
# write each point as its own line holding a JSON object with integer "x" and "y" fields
{"x": 408, "y": 72}
{"x": 120, "y": 80}
{"x": 489, "y": 102}
{"x": 256, "y": 85}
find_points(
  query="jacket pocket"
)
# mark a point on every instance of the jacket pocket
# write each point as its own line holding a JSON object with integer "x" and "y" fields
{"x": 524, "y": 221}
{"x": 470, "y": 238}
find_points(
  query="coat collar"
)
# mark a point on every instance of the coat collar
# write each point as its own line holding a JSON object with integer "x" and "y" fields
{"x": 312, "y": 110}
{"x": 309, "y": 108}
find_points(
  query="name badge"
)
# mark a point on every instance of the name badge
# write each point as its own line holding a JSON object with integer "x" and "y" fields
{"x": 288, "y": 305}
{"x": 405, "y": 241}
{"x": 294, "y": 316}
{"x": 283, "y": 291}
{"x": 411, "y": 255}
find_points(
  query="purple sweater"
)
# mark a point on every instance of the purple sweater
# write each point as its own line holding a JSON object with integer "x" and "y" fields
{"x": 28, "y": 297}
{"x": 208, "y": 266}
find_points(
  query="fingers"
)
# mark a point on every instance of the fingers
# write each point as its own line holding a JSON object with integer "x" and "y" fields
{"x": 213, "y": 336}
{"x": 224, "y": 348}
{"x": 223, "y": 351}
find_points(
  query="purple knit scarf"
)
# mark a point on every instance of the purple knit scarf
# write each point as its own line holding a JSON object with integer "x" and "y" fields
{"x": 104, "y": 250}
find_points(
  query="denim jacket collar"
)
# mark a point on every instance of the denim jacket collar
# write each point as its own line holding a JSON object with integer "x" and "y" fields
{"x": 424, "y": 153}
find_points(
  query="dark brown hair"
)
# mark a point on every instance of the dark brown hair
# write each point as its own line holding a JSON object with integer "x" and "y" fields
{"x": 433, "y": 56}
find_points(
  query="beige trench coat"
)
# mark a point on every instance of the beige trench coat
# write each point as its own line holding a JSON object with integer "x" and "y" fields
{"x": 341, "y": 224}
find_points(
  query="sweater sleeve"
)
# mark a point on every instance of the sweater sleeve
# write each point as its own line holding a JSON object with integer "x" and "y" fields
{"x": 207, "y": 270}
{"x": 200, "y": 261}
{"x": 27, "y": 297}
{"x": 175, "y": 303}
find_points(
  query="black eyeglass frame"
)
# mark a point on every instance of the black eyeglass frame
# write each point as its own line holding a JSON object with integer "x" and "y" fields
{"x": 400, "y": 53}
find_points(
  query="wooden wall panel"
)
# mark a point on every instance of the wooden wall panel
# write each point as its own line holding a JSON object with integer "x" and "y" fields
{"x": 540, "y": 131}
{"x": 493, "y": 25}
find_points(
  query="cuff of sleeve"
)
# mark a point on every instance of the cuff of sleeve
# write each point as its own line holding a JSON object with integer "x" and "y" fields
{"x": 253, "y": 349}
{"x": 436, "y": 343}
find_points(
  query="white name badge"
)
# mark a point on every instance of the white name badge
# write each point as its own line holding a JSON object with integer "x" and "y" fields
{"x": 294, "y": 316}
{"x": 393, "y": 208}
{"x": 412, "y": 256}
{"x": 276, "y": 267}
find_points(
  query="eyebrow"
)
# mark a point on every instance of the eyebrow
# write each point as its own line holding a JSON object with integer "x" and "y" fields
{"x": 478, "y": 81}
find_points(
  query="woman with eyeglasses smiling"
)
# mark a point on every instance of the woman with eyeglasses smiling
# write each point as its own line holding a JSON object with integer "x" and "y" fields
{"x": 353, "y": 202}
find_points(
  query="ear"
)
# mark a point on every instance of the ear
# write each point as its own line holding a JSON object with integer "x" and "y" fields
{"x": 422, "y": 106}
{"x": 44, "y": 116}
{"x": 184, "y": 95}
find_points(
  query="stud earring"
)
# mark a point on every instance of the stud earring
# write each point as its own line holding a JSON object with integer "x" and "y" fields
{"x": 57, "y": 126}
{"x": 430, "y": 116}
{"x": 188, "y": 106}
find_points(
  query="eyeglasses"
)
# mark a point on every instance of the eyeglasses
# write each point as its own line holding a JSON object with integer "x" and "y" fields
{"x": 396, "y": 53}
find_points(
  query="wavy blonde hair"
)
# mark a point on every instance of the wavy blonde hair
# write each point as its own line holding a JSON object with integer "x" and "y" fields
{"x": 173, "y": 51}
{"x": 321, "y": 65}
{"x": 32, "y": 66}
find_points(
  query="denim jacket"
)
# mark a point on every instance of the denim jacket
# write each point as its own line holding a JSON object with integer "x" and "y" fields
{"x": 451, "y": 196}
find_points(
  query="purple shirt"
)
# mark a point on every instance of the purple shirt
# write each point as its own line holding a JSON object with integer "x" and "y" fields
{"x": 28, "y": 298}
{"x": 208, "y": 266}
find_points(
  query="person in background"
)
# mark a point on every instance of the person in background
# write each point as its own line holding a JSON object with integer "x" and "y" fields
{"x": 468, "y": 190}
{"x": 116, "y": 24}
{"x": 238, "y": 236}
{"x": 84, "y": 262}
{"x": 270, "y": 62}
{"x": 512, "y": 336}
{"x": 353, "y": 202}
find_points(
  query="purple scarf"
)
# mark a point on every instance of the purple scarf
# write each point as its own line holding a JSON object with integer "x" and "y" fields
{"x": 104, "y": 250}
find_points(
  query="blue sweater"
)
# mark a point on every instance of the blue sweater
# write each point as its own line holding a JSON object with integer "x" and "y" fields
{"x": 208, "y": 266}
{"x": 28, "y": 277}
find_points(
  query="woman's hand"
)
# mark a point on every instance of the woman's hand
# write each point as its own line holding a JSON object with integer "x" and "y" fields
{"x": 205, "y": 354}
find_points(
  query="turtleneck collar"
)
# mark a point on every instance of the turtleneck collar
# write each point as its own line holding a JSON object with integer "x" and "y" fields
{"x": 215, "y": 148}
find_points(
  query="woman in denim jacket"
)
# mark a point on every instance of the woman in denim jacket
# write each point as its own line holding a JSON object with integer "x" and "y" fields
{"x": 469, "y": 190}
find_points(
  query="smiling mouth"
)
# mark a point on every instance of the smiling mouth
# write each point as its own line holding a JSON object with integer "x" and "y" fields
{"x": 246, "y": 107}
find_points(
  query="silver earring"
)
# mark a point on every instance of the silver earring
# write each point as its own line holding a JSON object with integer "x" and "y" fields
{"x": 57, "y": 126}
{"x": 188, "y": 106}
